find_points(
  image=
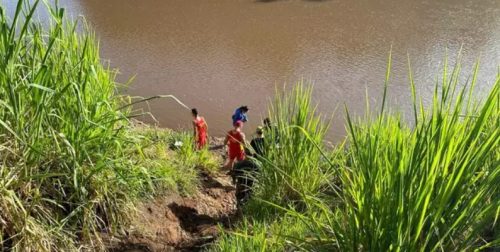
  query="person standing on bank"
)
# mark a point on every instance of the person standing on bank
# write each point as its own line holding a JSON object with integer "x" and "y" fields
{"x": 200, "y": 129}
{"x": 240, "y": 114}
{"x": 258, "y": 142}
{"x": 235, "y": 141}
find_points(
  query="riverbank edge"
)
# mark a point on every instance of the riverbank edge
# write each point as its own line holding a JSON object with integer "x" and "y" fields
{"x": 174, "y": 220}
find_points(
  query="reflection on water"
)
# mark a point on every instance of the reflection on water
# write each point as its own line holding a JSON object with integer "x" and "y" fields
{"x": 219, "y": 54}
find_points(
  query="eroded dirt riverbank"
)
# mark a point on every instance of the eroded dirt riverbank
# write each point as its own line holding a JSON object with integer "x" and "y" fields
{"x": 173, "y": 222}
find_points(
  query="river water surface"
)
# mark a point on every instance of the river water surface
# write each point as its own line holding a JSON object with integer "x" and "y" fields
{"x": 218, "y": 54}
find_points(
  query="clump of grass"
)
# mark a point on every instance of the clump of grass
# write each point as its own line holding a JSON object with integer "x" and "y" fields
{"x": 293, "y": 165}
{"x": 151, "y": 156}
{"x": 60, "y": 134}
{"x": 171, "y": 159}
{"x": 202, "y": 159}
{"x": 70, "y": 166}
{"x": 427, "y": 186}
{"x": 433, "y": 186}
{"x": 251, "y": 235}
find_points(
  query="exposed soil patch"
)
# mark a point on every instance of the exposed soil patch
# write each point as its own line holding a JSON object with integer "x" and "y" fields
{"x": 175, "y": 223}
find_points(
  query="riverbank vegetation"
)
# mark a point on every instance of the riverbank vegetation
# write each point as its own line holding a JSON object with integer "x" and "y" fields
{"x": 71, "y": 164}
{"x": 428, "y": 185}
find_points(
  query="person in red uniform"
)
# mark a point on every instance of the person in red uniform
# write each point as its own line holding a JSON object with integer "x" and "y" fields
{"x": 200, "y": 129}
{"x": 235, "y": 140}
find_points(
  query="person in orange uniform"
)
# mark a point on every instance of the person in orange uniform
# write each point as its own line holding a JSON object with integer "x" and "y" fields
{"x": 235, "y": 140}
{"x": 200, "y": 129}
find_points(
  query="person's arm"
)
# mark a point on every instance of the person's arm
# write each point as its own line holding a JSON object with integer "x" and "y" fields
{"x": 244, "y": 141}
{"x": 206, "y": 124}
{"x": 195, "y": 132}
{"x": 226, "y": 139}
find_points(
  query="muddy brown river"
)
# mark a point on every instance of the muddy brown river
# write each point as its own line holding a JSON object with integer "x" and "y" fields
{"x": 218, "y": 54}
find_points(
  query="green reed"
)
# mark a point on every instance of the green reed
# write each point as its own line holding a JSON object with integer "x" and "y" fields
{"x": 293, "y": 162}
{"x": 70, "y": 164}
{"x": 432, "y": 186}
{"x": 424, "y": 186}
{"x": 61, "y": 134}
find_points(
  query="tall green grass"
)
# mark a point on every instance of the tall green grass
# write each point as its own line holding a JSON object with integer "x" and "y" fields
{"x": 60, "y": 134}
{"x": 433, "y": 186}
{"x": 293, "y": 165}
{"x": 70, "y": 164}
{"x": 427, "y": 185}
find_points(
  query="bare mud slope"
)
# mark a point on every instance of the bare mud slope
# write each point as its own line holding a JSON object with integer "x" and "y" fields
{"x": 176, "y": 223}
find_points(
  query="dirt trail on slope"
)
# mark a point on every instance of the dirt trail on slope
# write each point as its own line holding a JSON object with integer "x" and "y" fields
{"x": 176, "y": 223}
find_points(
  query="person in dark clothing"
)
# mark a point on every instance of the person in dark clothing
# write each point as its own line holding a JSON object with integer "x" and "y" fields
{"x": 240, "y": 114}
{"x": 267, "y": 122}
{"x": 243, "y": 175}
{"x": 258, "y": 142}
{"x": 246, "y": 170}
